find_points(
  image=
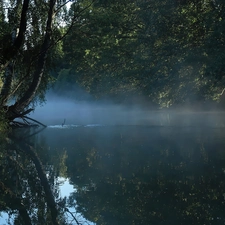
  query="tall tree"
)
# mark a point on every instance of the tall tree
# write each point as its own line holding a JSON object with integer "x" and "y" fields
{"x": 25, "y": 50}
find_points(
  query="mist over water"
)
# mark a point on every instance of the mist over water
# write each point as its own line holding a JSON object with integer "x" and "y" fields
{"x": 77, "y": 112}
{"x": 160, "y": 161}
{"x": 102, "y": 113}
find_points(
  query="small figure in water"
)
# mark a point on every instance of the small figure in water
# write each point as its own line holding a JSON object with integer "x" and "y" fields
{"x": 63, "y": 122}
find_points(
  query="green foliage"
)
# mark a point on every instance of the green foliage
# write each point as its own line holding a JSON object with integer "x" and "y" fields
{"x": 142, "y": 175}
{"x": 26, "y": 71}
{"x": 23, "y": 185}
{"x": 171, "y": 52}
{"x": 100, "y": 47}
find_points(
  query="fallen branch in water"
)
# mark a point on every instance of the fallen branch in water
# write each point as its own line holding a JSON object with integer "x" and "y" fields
{"x": 25, "y": 122}
{"x": 26, "y": 117}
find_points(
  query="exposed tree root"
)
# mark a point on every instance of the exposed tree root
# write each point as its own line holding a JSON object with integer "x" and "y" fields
{"x": 26, "y": 122}
{"x": 19, "y": 119}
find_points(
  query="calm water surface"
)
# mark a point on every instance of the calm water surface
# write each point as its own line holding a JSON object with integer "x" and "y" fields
{"x": 133, "y": 175}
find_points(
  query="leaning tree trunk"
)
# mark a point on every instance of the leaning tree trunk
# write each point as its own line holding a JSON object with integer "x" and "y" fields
{"x": 6, "y": 88}
{"x": 21, "y": 104}
{"x": 10, "y": 51}
{"x": 44, "y": 181}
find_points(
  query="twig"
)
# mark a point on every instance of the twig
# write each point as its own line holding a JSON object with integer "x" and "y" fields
{"x": 67, "y": 210}
{"x": 222, "y": 92}
{"x": 57, "y": 10}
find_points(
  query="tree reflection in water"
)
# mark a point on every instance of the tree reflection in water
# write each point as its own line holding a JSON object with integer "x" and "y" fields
{"x": 120, "y": 174}
{"x": 29, "y": 190}
{"x": 142, "y": 175}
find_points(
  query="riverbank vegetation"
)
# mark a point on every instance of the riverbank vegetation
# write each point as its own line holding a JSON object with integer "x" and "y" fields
{"x": 167, "y": 52}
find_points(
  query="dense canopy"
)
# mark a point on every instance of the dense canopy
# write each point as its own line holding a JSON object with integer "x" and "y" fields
{"x": 169, "y": 52}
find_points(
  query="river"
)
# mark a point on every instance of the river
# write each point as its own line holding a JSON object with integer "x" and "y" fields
{"x": 171, "y": 173}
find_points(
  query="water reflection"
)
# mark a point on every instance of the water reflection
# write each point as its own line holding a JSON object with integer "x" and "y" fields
{"x": 120, "y": 175}
{"x": 146, "y": 175}
{"x": 29, "y": 183}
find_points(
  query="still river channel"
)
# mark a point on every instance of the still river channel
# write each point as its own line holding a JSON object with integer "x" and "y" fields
{"x": 165, "y": 174}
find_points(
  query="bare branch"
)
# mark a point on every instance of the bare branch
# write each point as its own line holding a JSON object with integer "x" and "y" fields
{"x": 73, "y": 22}
{"x": 67, "y": 210}
{"x": 61, "y": 6}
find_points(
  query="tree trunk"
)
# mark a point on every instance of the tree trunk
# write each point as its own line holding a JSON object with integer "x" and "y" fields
{"x": 44, "y": 181}
{"x": 28, "y": 96}
{"x": 6, "y": 89}
{"x": 9, "y": 53}
{"x": 12, "y": 50}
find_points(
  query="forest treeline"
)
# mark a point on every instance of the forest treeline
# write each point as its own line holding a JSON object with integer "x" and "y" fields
{"x": 169, "y": 52}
